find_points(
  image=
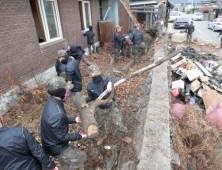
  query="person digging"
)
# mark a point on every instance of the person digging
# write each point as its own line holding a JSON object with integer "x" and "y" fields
{"x": 20, "y": 150}
{"x": 55, "y": 134}
{"x": 95, "y": 87}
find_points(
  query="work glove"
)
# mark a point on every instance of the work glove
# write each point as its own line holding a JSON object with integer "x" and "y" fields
{"x": 78, "y": 119}
{"x": 83, "y": 134}
{"x": 109, "y": 87}
{"x": 83, "y": 32}
{"x": 86, "y": 54}
{"x": 55, "y": 168}
{"x": 161, "y": 22}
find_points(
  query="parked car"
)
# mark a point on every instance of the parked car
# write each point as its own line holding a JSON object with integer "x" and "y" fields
{"x": 197, "y": 16}
{"x": 181, "y": 22}
{"x": 215, "y": 24}
{"x": 173, "y": 15}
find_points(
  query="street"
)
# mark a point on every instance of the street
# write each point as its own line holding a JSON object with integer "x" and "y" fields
{"x": 202, "y": 33}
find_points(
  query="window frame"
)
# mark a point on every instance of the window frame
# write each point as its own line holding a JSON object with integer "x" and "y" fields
{"x": 45, "y": 24}
{"x": 84, "y": 15}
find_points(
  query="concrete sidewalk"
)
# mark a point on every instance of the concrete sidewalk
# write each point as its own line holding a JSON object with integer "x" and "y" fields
{"x": 156, "y": 152}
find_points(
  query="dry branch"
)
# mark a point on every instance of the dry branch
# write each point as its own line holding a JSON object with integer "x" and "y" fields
{"x": 158, "y": 62}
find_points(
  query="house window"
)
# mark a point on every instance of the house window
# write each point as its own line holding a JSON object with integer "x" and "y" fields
{"x": 47, "y": 21}
{"x": 85, "y": 14}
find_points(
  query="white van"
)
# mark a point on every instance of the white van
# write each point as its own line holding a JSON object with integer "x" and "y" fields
{"x": 173, "y": 15}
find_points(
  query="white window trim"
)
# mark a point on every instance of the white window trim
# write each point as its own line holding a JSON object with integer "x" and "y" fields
{"x": 45, "y": 25}
{"x": 84, "y": 16}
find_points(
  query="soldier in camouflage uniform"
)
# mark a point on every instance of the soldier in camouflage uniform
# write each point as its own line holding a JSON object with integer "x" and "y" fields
{"x": 55, "y": 134}
{"x": 96, "y": 87}
{"x": 161, "y": 15}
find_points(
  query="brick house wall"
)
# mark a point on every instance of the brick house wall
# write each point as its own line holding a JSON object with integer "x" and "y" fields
{"x": 20, "y": 51}
{"x": 123, "y": 17}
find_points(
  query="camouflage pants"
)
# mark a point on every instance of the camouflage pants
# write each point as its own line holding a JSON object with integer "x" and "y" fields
{"x": 117, "y": 54}
{"x": 127, "y": 49}
{"x": 160, "y": 27}
{"x": 136, "y": 49}
{"x": 94, "y": 48}
{"x": 63, "y": 74}
{"x": 71, "y": 158}
{"x": 189, "y": 37}
{"x": 221, "y": 42}
{"x": 112, "y": 111}
{"x": 84, "y": 59}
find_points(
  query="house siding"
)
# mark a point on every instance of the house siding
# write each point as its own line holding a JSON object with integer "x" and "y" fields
{"x": 20, "y": 52}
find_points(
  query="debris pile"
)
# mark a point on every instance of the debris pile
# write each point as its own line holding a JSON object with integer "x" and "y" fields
{"x": 196, "y": 89}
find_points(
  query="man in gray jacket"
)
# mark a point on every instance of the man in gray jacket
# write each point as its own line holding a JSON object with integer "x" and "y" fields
{"x": 161, "y": 15}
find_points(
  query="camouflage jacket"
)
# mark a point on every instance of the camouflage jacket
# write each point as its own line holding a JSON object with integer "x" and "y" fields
{"x": 161, "y": 12}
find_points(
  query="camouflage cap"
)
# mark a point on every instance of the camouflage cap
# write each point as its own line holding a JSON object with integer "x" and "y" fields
{"x": 64, "y": 46}
{"x": 94, "y": 70}
{"x": 61, "y": 53}
{"x": 59, "y": 82}
{"x": 118, "y": 27}
{"x": 136, "y": 25}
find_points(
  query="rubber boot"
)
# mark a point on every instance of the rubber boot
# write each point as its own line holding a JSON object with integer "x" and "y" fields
{"x": 126, "y": 139}
{"x": 90, "y": 51}
{"x": 100, "y": 141}
{"x": 135, "y": 59}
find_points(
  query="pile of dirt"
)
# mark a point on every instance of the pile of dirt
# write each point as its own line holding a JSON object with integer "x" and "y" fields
{"x": 29, "y": 110}
{"x": 196, "y": 139}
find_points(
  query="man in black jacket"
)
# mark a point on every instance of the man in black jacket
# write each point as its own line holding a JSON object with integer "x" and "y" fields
{"x": 59, "y": 66}
{"x": 55, "y": 134}
{"x": 90, "y": 39}
{"x": 137, "y": 38}
{"x": 96, "y": 87}
{"x": 72, "y": 72}
{"x": 20, "y": 150}
{"x": 117, "y": 42}
{"x": 78, "y": 53}
{"x": 190, "y": 29}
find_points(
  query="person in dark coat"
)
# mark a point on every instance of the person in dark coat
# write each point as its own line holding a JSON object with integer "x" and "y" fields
{"x": 90, "y": 39}
{"x": 190, "y": 29}
{"x": 55, "y": 134}
{"x": 78, "y": 53}
{"x": 117, "y": 43}
{"x": 94, "y": 89}
{"x": 137, "y": 38}
{"x": 20, "y": 150}
{"x": 59, "y": 66}
{"x": 72, "y": 72}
